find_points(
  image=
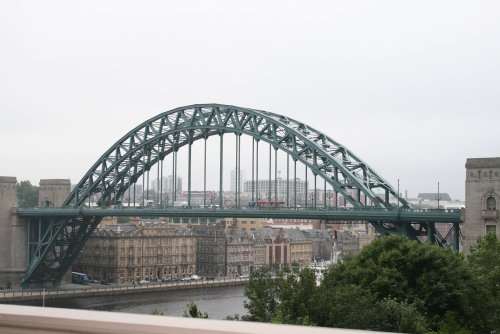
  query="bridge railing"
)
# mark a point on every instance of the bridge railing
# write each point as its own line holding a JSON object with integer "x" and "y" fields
{"x": 246, "y": 208}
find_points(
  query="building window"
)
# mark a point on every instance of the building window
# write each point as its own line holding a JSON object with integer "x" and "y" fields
{"x": 491, "y": 229}
{"x": 491, "y": 204}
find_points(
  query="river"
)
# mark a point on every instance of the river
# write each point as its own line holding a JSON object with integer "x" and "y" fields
{"x": 216, "y": 302}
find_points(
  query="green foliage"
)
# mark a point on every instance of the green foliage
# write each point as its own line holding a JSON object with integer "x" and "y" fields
{"x": 262, "y": 294}
{"x": 392, "y": 316}
{"x": 394, "y": 284}
{"x": 296, "y": 289}
{"x": 191, "y": 311}
{"x": 450, "y": 325}
{"x": 484, "y": 260}
{"x": 123, "y": 220}
{"x": 156, "y": 311}
{"x": 343, "y": 306}
{"x": 27, "y": 194}
{"x": 286, "y": 298}
{"x": 433, "y": 279}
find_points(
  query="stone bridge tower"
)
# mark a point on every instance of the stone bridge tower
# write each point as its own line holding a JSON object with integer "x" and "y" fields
{"x": 53, "y": 192}
{"x": 13, "y": 237}
{"x": 482, "y": 199}
{"x": 14, "y": 232}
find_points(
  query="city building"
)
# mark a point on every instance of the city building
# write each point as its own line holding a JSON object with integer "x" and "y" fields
{"x": 211, "y": 250}
{"x": 126, "y": 253}
{"x": 482, "y": 199}
{"x": 322, "y": 244}
{"x": 300, "y": 223}
{"x": 267, "y": 189}
{"x": 173, "y": 189}
{"x": 189, "y": 221}
{"x": 233, "y": 181}
{"x": 285, "y": 247}
{"x": 239, "y": 252}
{"x": 248, "y": 225}
{"x": 258, "y": 252}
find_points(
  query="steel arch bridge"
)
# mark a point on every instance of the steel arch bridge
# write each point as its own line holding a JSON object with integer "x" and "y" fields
{"x": 57, "y": 237}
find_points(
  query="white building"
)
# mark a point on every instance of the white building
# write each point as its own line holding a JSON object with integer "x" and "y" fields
{"x": 232, "y": 181}
{"x": 266, "y": 190}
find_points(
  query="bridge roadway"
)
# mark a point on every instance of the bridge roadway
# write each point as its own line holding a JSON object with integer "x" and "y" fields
{"x": 341, "y": 214}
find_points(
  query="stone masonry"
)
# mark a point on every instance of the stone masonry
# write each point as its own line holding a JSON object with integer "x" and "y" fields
{"x": 482, "y": 199}
{"x": 12, "y": 236}
{"x": 53, "y": 192}
{"x": 13, "y": 232}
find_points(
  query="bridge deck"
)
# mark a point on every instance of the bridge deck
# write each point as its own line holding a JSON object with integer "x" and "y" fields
{"x": 353, "y": 214}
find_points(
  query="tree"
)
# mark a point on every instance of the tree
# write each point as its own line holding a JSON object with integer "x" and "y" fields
{"x": 295, "y": 296}
{"x": 432, "y": 279}
{"x": 286, "y": 298}
{"x": 261, "y": 292}
{"x": 27, "y": 194}
{"x": 156, "y": 311}
{"x": 123, "y": 220}
{"x": 484, "y": 259}
{"x": 192, "y": 311}
{"x": 394, "y": 284}
{"x": 390, "y": 315}
{"x": 343, "y": 306}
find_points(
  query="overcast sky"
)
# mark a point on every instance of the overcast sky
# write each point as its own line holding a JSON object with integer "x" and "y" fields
{"x": 411, "y": 87}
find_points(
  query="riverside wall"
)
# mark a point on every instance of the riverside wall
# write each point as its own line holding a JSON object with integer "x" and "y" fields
{"x": 94, "y": 296}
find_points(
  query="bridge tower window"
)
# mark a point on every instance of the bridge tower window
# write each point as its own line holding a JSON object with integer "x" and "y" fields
{"x": 491, "y": 204}
{"x": 491, "y": 229}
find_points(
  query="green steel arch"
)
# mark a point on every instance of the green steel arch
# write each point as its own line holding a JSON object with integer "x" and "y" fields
{"x": 59, "y": 240}
{"x": 150, "y": 142}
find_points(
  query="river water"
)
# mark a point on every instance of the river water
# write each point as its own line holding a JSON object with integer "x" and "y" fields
{"x": 217, "y": 302}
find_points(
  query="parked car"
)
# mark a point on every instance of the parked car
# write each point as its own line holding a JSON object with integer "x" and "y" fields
{"x": 171, "y": 279}
{"x": 195, "y": 277}
{"x": 244, "y": 276}
{"x": 209, "y": 278}
{"x": 143, "y": 281}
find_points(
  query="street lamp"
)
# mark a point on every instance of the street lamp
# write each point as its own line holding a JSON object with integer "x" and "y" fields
{"x": 438, "y": 196}
{"x": 311, "y": 197}
{"x": 212, "y": 197}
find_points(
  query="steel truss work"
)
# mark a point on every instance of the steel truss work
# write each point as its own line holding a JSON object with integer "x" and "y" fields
{"x": 134, "y": 155}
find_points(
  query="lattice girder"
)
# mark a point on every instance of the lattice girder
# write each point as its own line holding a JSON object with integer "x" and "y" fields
{"x": 153, "y": 140}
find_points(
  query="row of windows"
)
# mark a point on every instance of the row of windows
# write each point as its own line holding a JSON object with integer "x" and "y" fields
{"x": 483, "y": 174}
{"x": 155, "y": 260}
{"x": 148, "y": 241}
{"x": 237, "y": 258}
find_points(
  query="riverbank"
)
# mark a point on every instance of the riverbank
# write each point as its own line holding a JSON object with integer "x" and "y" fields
{"x": 94, "y": 293}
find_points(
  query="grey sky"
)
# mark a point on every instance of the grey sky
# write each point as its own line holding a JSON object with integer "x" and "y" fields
{"x": 411, "y": 87}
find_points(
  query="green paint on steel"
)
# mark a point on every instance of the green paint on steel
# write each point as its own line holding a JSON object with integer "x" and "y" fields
{"x": 153, "y": 140}
{"x": 409, "y": 216}
{"x": 150, "y": 142}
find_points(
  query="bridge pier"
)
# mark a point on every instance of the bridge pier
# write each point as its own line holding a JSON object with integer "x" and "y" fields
{"x": 52, "y": 193}
{"x": 13, "y": 236}
{"x": 14, "y": 231}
